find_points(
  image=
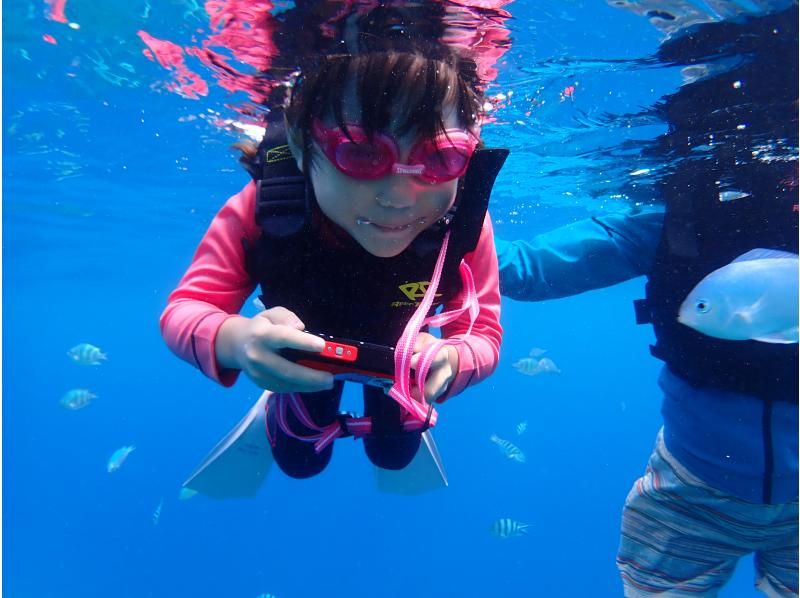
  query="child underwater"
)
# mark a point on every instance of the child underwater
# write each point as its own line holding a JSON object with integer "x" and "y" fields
{"x": 386, "y": 187}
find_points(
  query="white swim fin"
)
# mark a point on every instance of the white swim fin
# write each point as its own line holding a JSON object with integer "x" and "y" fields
{"x": 237, "y": 466}
{"x": 425, "y": 473}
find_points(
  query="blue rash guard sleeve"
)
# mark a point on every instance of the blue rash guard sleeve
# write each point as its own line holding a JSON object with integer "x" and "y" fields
{"x": 583, "y": 256}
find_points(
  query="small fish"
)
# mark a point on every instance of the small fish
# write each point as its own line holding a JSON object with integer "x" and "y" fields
{"x": 530, "y": 366}
{"x": 118, "y": 457}
{"x": 77, "y": 398}
{"x": 521, "y": 427}
{"x": 732, "y": 195}
{"x": 86, "y": 354}
{"x": 548, "y": 366}
{"x": 508, "y": 528}
{"x": 157, "y": 512}
{"x": 266, "y": 595}
{"x": 536, "y": 352}
{"x": 754, "y": 297}
{"x": 510, "y": 450}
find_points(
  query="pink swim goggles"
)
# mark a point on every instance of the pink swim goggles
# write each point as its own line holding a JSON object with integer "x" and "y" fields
{"x": 437, "y": 160}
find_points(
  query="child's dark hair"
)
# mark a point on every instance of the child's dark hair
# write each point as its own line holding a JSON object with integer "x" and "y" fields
{"x": 407, "y": 86}
{"x": 393, "y": 58}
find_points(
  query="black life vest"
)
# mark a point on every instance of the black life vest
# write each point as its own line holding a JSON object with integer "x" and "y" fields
{"x": 702, "y": 233}
{"x": 731, "y": 146}
{"x": 345, "y": 291}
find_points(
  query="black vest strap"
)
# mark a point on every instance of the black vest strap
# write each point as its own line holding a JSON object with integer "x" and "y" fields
{"x": 281, "y": 206}
{"x": 477, "y": 188}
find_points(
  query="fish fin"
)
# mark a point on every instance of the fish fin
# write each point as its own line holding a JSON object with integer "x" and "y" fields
{"x": 102, "y": 357}
{"x": 784, "y": 337}
{"x": 765, "y": 254}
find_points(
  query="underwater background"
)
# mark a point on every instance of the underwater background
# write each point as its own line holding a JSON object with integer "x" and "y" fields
{"x": 110, "y": 177}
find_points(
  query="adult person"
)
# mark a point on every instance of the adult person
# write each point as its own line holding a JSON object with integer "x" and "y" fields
{"x": 722, "y": 480}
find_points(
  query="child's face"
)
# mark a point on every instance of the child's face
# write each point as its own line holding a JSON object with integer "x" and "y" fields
{"x": 383, "y": 215}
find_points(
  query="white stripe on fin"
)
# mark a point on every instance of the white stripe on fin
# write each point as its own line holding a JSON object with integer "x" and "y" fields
{"x": 784, "y": 337}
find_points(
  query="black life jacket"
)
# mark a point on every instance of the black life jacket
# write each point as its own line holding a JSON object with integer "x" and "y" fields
{"x": 341, "y": 289}
{"x": 702, "y": 232}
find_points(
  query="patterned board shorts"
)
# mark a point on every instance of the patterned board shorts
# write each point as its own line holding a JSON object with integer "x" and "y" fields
{"x": 681, "y": 537}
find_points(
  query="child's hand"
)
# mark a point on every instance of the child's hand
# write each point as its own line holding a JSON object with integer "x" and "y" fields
{"x": 442, "y": 371}
{"x": 252, "y": 345}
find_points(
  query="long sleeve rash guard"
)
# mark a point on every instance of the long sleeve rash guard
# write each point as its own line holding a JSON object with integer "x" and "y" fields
{"x": 216, "y": 285}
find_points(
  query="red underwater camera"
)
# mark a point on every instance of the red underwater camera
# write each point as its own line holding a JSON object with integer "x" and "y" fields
{"x": 353, "y": 361}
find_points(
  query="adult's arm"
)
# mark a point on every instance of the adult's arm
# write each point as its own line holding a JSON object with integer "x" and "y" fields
{"x": 583, "y": 256}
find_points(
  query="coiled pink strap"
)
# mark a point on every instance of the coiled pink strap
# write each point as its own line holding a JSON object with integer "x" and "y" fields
{"x": 404, "y": 350}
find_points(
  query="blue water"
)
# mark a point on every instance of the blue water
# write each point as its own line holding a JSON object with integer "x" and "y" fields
{"x": 108, "y": 186}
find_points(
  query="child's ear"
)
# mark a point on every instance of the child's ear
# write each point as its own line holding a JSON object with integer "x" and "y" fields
{"x": 294, "y": 146}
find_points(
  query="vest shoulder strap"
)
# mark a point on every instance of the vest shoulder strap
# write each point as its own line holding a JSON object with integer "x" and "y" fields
{"x": 281, "y": 203}
{"x": 477, "y": 188}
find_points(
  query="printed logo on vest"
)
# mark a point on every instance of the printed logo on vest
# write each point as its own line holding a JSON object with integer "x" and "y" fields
{"x": 416, "y": 290}
{"x": 277, "y": 154}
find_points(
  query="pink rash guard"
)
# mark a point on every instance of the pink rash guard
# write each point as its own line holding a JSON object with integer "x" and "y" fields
{"x": 216, "y": 285}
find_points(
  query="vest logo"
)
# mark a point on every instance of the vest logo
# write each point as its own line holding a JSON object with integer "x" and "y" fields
{"x": 416, "y": 290}
{"x": 278, "y": 153}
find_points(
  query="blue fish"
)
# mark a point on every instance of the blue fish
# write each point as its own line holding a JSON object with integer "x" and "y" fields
{"x": 118, "y": 458}
{"x": 754, "y": 297}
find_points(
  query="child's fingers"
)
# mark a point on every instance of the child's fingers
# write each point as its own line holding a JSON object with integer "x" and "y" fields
{"x": 280, "y": 316}
{"x": 423, "y": 339}
{"x": 287, "y": 337}
{"x": 282, "y": 375}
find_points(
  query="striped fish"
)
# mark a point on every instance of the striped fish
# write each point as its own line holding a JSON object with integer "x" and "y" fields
{"x": 508, "y": 528}
{"x": 77, "y": 398}
{"x": 157, "y": 512}
{"x": 521, "y": 427}
{"x": 510, "y": 450}
{"x": 530, "y": 366}
{"x": 86, "y": 354}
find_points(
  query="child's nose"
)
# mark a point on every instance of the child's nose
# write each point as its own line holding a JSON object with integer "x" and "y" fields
{"x": 400, "y": 191}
